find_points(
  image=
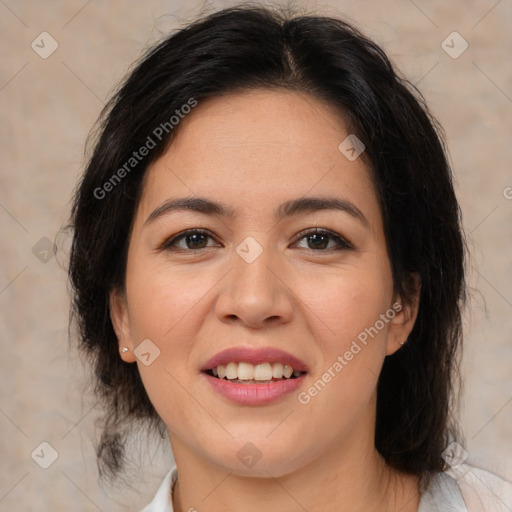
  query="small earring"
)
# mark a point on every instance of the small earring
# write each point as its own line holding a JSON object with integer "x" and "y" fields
{"x": 124, "y": 350}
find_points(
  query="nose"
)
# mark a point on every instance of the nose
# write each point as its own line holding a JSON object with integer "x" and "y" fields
{"x": 255, "y": 293}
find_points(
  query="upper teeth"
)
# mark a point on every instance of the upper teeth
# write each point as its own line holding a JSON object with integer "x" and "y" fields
{"x": 248, "y": 371}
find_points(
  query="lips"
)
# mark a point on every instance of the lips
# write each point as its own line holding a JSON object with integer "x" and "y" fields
{"x": 254, "y": 356}
{"x": 276, "y": 374}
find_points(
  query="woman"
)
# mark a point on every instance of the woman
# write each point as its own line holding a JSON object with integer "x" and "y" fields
{"x": 268, "y": 266}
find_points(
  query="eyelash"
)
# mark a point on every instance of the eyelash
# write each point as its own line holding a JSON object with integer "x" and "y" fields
{"x": 343, "y": 244}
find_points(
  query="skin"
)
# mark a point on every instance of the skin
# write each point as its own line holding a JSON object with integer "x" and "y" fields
{"x": 253, "y": 151}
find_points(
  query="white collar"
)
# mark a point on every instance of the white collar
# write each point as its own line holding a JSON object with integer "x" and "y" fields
{"x": 162, "y": 502}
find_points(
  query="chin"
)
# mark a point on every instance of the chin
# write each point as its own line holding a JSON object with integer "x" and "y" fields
{"x": 258, "y": 459}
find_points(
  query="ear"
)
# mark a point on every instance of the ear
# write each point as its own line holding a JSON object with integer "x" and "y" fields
{"x": 405, "y": 316}
{"x": 121, "y": 323}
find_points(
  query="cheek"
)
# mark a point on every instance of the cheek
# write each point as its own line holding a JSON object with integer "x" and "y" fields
{"x": 350, "y": 335}
{"x": 162, "y": 310}
{"x": 161, "y": 299}
{"x": 161, "y": 306}
{"x": 347, "y": 303}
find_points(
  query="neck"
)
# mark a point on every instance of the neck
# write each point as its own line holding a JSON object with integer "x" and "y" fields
{"x": 352, "y": 478}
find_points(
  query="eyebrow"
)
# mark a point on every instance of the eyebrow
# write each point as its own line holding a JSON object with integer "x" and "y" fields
{"x": 286, "y": 209}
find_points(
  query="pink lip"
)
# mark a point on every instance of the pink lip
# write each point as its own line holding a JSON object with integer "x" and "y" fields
{"x": 254, "y": 394}
{"x": 254, "y": 356}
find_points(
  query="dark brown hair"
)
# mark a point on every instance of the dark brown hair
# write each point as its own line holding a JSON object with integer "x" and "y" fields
{"x": 246, "y": 48}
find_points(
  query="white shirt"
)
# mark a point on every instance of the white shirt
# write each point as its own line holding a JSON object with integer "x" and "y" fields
{"x": 465, "y": 489}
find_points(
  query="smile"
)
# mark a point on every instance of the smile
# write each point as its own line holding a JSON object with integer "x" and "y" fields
{"x": 247, "y": 373}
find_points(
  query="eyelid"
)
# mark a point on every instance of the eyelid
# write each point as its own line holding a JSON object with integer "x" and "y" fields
{"x": 168, "y": 242}
{"x": 342, "y": 242}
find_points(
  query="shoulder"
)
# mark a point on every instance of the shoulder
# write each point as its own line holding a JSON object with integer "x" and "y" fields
{"x": 442, "y": 495}
{"x": 467, "y": 488}
{"x": 162, "y": 502}
{"x": 483, "y": 489}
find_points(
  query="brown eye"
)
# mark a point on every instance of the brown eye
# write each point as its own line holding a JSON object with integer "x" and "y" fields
{"x": 197, "y": 241}
{"x": 191, "y": 239}
{"x": 318, "y": 240}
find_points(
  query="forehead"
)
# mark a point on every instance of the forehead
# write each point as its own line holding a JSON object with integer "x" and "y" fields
{"x": 254, "y": 148}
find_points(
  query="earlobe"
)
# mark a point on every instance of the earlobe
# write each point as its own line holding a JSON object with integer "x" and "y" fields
{"x": 120, "y": 322}
{"x": 406, "y": 313}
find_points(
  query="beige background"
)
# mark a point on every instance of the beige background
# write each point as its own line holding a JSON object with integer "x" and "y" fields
{"x": 49, "y": 105}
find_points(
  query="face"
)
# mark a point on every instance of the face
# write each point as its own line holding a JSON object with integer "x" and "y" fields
{"x": 263, "y": 280}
